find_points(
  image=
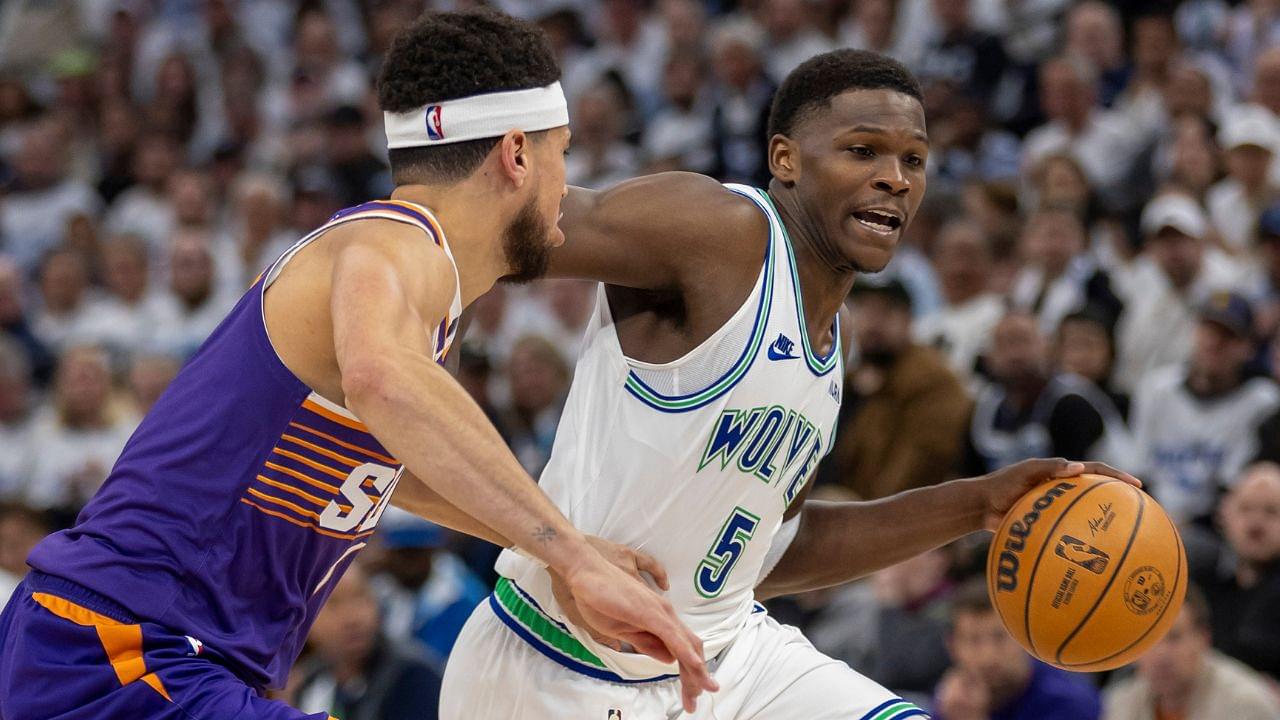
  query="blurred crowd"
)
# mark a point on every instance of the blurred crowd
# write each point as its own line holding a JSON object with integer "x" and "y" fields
{"x": 1095, "y": 272}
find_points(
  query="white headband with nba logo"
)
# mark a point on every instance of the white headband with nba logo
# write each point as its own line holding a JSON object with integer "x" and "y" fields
{"x": 478, "y": 116}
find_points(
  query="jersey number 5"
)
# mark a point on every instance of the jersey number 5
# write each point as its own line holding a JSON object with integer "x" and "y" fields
{"x": 713, "y": 571}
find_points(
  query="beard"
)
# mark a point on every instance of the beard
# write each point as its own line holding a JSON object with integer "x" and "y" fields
{"x": 524, "y": 243}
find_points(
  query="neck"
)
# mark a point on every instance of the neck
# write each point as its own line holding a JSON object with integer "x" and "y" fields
{"x": 826, "y": 276}
{"x": 473, "y": 231}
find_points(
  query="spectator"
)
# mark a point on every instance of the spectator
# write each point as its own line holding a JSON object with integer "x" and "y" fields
{"x": 194, "y": 305}
{"x": 79, "y": 436}
{"x": 539, "y": 382}
{"x": 17, "y": 453}
{"x": 894, "y": 626}
{"x": 962, "y": 59}
{"x": 124, "y": 320}
{"x": 992, "y": 678}
{"x": 1182, "y": 677}
{"x": 149, "y": 375}
{"x": 63, "y": 317}
{"x": 1098, "y": 140}
{"x": 1085, "y": 346}
{"x": 1175, "y": 275}
{"x": 20, "y": 529}
{"x": 600, "y": 158}
{"x": 960, "y": 329}
{"x": 14, "y": 323}
{"x": 429, "y": 592}
{"x": 261, "y": 201}
{"x": 360, "y": 176}
{"x": 1096, "y": 36}
{"x": 1195, "y": 425}
{"x": 143, "y": 209}
{"x": 1241, "y": 579}
{"x": 904, "y": 411}
{"x": 1027, "y": 411}
{"x": 1059, "y": 276}
{"x": 741, "y": 93}
{"x": 42, "y": 197}
{"x": 791, "y": 36}
{"x": 1250, "y": 136}
{"x": 356, "y": 672}
{"x": 677, "y": 136}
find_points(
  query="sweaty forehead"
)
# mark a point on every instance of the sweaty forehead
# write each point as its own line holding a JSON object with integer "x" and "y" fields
{"x": 886, "y": 110}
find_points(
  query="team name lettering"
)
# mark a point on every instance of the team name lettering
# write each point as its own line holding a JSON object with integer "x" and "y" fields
{"x": 766, "y": 442}
{"x": 1007, "y": 563}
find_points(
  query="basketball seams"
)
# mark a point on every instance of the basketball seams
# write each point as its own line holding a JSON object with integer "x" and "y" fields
{"x": 1031, "y": 580}
{"x": 1177, "y": 578}
{"x": 1133, "y": 535}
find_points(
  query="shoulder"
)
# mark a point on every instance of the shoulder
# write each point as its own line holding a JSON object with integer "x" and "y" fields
{"x": 703, "y": 205}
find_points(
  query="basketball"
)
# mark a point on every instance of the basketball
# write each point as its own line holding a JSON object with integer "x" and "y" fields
{"x": 1087, "y": 572}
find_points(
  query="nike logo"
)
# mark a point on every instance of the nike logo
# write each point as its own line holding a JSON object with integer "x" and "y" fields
{"x": 781, "y": 349}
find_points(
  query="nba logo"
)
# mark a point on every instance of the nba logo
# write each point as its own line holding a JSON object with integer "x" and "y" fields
{"x": 434, "y": 130}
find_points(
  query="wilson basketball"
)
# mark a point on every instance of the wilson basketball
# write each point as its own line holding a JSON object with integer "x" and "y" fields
{"x": 1087, "y": 572}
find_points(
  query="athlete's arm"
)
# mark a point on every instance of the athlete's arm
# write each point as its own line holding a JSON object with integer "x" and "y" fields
{"x": 656, "y": 232}
{"x": 842, "y": 541}
{"x": 381, "y": 315}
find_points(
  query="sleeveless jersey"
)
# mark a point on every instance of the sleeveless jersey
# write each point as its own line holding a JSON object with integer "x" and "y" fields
{"x": 693, "y": 461}
{"x": 242, "y": 496}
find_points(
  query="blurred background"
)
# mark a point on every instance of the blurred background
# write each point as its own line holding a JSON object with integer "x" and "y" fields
{"x": 1095, "y": 272}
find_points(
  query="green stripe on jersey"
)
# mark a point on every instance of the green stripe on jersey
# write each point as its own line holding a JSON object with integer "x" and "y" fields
{"x": 894, "y": 709}
{"x": 541, "y": 626}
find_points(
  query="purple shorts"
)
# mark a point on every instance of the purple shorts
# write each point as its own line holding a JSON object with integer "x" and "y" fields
{"x": 68, "y": 653}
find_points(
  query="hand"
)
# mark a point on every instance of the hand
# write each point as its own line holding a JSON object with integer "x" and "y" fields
{"x": 619, "y": 605}
{"x": 962, "y": 697}
{"x": 1002, "y": 488}
{"x": 632, "y": 562}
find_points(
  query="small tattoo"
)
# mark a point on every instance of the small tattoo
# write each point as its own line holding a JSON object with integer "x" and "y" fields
{"x": 544, "y": 533}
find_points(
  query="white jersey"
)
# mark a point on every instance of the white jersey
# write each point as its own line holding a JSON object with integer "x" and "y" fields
{"x": 693, "y": 461}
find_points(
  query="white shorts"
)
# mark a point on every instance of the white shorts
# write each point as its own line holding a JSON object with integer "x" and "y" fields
{"x": 770, "y": 672}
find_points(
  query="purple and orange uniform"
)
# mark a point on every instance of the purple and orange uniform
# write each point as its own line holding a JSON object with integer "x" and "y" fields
{"x": 189, "y": 582}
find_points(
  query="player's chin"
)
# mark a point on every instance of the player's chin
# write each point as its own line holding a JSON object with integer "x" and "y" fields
{"x": 871, "y": 250}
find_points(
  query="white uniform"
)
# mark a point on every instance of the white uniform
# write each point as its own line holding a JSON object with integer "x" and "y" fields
{"x": 693, "y": 461}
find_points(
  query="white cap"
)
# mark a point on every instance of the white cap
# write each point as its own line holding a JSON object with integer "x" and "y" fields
{"x": 1177, "y": 211}
{"x": 1250, "y": 125}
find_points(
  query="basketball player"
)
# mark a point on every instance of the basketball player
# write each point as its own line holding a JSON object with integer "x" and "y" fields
{"x": 188, "y": 583}
{"x": 706, "y": 393}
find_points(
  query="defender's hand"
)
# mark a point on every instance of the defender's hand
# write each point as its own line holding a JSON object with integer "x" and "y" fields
{"x": 1002, "y": 488}
{"x": 632, "y": 562}
{"x": 619, "y": 605}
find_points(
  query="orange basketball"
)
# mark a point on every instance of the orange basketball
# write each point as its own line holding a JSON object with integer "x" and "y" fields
{"x": 1087, "y": 572}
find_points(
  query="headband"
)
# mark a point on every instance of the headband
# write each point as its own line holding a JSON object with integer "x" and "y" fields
{"x": 478, "y": 116}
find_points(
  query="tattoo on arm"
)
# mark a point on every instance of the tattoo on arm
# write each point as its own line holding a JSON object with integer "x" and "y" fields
{"x": 544, "y": 534}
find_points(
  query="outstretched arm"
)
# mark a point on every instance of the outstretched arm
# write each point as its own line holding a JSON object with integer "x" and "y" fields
{"x": 841, "y": 541}
{"x": 381, "y": 313}
{"x": 656, "y": 232}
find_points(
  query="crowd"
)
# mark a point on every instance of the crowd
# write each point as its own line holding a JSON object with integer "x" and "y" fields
{"x": 1095, "y": 272}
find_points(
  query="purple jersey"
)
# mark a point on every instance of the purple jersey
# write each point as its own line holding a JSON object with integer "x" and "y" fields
{"x": 242, "y": 496}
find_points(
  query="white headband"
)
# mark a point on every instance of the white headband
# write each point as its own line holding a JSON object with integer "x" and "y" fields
{"x": 478, "y": 116}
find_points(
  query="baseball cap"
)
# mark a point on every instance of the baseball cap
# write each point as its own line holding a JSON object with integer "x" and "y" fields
{"x": 1177, "y": 211}
{"x": 1249, "y": 125}
{"x": 1230, "y": 310}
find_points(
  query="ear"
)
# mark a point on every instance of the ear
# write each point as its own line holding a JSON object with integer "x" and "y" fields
{"x": 513, "y": 156}
{"x": 784, "y": 158}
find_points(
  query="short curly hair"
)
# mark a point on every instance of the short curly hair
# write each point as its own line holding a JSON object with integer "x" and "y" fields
{"x": 450, "y": 55}
{"x": 812, "y": 85}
